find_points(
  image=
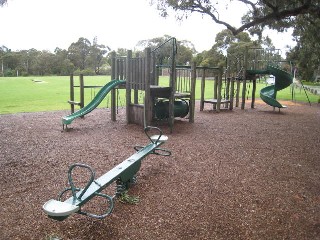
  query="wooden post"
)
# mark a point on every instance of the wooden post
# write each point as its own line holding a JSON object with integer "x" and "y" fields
{"x": 254, "y": 86}
{"x": 147, "y": 98}
{"x": 219, "y": 86}
{"x": 238, "y": 91}
{"x": 128, "y": 88}
{"x": 227, "y": 91}
{"x": 244, "y": 89}
{"x": 215, "y": 90}
{"x": 113, "y": 91}
{"x": 173, "y": 79}
{"x": 231, "y": 94}
{"x": 154, "y": 72}
{"x": 192, "y": 92}
{"x": 71, "y": 93}
{"x": 203, "y": 86}
{"x": 136, "y": 73}
{"x": 81, "y": 91}
{"x": 244, "y": 79}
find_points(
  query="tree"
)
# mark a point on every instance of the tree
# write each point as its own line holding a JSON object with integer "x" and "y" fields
{"x": 3, "y": 51}
{"x": 307, "y": 51}
{"x": 261, "y": 13}
{"x": 185, "y": 49}
{"x": 78, "y": 52}
{"x": 87, "y": 56}
{"x": 62, "y": 65}
{"x": 227, "y": 45}
{"x": 45, "y": 62}
{"x": 3, "y": 2}
{"x": 97, "y": 55}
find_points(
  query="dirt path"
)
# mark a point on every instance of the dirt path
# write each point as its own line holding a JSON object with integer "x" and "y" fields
{"x": 245, "y": 174}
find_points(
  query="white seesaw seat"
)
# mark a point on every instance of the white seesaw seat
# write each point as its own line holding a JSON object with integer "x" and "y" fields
{"x": 59, "y": 209}
{"x": 163, "y": 138}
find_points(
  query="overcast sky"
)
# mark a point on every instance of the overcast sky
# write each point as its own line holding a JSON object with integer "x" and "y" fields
{"x": 47, "y": 24}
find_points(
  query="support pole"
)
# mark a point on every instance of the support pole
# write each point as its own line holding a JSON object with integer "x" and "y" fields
{"x": 215, "y": 90}
{"x": 244, "y": 89}
{"x": 128, "y": 86}
{"x": 203, "y": 86}
{"x": 219, "y": 90}
{"x": 72, "y": 93}
{"x": 173, "y": 80}
{"x": 231, "y": 94}
{"x": 81, "y": 91}
{"x": 113, "y": 91}
{"x": 193, "y": 92}
{"x": 238, "y": 91}
{"x": 254, "y": 87}
{"x": 148, "y": 101}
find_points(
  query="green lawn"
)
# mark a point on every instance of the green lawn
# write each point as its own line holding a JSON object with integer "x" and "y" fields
{"x": 34, "y": 94}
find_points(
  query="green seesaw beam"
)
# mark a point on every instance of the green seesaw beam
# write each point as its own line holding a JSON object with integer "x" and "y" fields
{"x": 123, "y": 173}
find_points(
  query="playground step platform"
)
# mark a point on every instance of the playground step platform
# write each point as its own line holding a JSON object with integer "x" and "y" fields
{"x": 74, "y": 103}
{"x": 59, "y": 209}
{"x": 215, "y": 101}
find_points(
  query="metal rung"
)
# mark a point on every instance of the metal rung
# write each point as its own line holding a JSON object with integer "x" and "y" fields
{"x": 59, "y": 209}
{"x": 74, "y": 103}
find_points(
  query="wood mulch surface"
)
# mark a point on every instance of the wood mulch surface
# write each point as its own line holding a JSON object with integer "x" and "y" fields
{"x": 241, "y": 174}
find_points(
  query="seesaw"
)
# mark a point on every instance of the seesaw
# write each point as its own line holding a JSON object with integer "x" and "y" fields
{"x": 124, "y": 175}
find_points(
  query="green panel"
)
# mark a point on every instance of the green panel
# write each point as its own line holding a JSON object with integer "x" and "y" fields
{"x": 181, "y": 109}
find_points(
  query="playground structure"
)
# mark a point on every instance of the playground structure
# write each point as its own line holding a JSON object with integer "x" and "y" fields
{"x": 148, "y": 101}
{"x": 72, "y": 101}
{"x": 264, "y": 61}
{"x": 140, "y": 74}
{"x": 124, "y": 174}
{"x": 254, "y": 62}
{"x": 243, "y": 69}
{"x": 223, "y": 90}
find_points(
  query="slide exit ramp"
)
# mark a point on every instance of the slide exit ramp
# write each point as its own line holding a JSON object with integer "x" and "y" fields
{"x": 94, "y": 103}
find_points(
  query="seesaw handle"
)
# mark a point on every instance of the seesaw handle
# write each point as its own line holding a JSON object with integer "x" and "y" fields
{"x": 147, "y": 131}
{"x": 74, "y": 190}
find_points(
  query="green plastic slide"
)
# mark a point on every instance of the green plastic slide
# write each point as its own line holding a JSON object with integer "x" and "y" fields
{"x": 283, "y": 80}
{"x": 94, "y": 103}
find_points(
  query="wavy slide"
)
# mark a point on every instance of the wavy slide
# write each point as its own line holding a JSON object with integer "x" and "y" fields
{"x": 94, "y": 103}
{"x": 283, "y": 80}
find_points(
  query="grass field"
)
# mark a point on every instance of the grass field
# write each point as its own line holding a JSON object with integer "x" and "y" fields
{"x": 34, "y": 94}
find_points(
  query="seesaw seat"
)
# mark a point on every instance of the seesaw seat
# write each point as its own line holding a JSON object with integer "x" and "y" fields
{"x": 59, "y": 209}
{"x": 159, "y": 138}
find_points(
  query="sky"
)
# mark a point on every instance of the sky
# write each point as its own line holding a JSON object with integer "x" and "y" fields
{"x": 47, "y": 24}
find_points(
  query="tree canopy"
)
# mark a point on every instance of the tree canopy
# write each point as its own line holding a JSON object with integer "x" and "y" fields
{"x": 185, "y": 49}
{"x": 307, "y": 51}
{"x": 81, "y": 56}
{"x": 261, "y": 13}
{"x": 2, "y": 2}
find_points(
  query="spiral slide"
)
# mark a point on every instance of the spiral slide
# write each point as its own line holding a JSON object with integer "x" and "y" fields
{"x": 283, "y": 80}
{"x": 94, "y": 103}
